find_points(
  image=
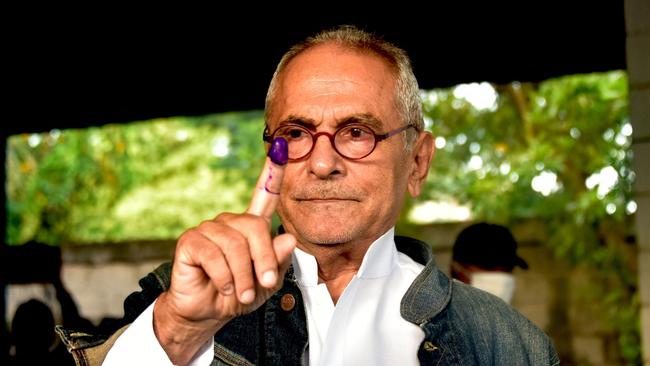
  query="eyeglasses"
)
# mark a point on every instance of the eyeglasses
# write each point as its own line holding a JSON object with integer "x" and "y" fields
{"x": 352, "y": 141}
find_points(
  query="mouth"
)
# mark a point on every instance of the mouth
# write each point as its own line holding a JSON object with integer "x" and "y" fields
{"x": 323, "y": 195}
{"x": 327, "y": 200}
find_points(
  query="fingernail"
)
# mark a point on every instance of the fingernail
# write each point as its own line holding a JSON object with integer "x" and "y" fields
{"x": 227, "y": 289}
{"x": 269, "y": 278}
{"x": 247, "y": 296}
{"x": 279, "y": 151}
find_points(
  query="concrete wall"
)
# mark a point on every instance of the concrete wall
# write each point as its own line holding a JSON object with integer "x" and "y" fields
{"x": 98, "y": 277}
{"x": 637, "y": 20}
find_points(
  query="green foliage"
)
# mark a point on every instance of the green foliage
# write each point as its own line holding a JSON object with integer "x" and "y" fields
{"x": 145, "y": 180}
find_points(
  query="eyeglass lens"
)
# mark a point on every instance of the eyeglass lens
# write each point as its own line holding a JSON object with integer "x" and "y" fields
{"x": 351, "y": 141}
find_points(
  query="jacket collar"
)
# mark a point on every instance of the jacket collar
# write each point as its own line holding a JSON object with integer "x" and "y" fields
{"x": 430, "y": 293}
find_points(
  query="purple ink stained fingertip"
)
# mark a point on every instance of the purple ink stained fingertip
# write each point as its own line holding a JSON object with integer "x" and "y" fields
{"x": 279, "y": 151}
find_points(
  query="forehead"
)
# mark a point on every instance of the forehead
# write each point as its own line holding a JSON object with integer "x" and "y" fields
{"x": 328, "y": 83}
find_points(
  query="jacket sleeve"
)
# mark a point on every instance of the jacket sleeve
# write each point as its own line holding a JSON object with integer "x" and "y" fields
{"x": 91, "y": 349}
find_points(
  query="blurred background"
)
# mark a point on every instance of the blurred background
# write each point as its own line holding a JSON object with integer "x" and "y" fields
{"x": 122, "y": 134}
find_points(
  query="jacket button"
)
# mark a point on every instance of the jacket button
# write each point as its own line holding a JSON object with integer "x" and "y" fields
{"x": 287, "y": 302}
{"x": 429, "y": 346}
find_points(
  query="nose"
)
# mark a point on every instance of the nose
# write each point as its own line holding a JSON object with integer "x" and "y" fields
{"x": 324, "y": 161}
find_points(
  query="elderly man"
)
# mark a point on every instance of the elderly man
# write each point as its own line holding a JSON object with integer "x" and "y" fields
{"x": 338, "y": 287}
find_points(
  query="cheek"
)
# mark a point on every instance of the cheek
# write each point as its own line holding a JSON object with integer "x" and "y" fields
{"x": 291, "y": 176}
{"x": 382, "y": 186}
{"x": 393, "y": 186}
{"x": 290, "y": 180}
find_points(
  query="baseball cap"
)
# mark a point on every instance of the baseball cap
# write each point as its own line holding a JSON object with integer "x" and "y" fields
{"x": 487, "y": 246}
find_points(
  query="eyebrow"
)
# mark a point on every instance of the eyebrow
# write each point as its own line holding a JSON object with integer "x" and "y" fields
{"x": 306, "y": 122}
{"x": 361, "y": 118}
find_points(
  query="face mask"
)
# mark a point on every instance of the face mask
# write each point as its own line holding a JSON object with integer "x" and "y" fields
{"x": 500, "y": 284}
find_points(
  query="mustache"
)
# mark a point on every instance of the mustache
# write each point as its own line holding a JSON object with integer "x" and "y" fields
{"x": 326, "y": 191}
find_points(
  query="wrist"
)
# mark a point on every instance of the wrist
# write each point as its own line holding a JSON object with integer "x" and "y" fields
{"x": 181, "y": 338}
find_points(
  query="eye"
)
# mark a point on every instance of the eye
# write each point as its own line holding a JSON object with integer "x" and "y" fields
{"x": 292, "y": 133}
{"x": 356, "y": 133}
{"x": 295, "y": 133}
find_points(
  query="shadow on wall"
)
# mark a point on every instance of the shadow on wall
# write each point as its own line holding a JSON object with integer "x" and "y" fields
{"x": 28, "y": 335}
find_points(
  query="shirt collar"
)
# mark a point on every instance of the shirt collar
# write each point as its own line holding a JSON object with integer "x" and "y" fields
{"x": 378, "y": 261}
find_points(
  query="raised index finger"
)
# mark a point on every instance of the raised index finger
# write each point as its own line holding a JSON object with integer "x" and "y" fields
{"x": 267, "y": 191}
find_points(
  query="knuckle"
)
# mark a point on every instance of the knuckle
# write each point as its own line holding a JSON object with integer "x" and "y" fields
{"x": 221, "y": 277}
{"x": 256, "y": 223}
{"x": 187, "y": 237}
{"x": 224, "y": 217}
{"x": 206, "y": 226}
{"x": 244, "y": 223}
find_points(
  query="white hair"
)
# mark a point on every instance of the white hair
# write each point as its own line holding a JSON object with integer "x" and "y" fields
{"x": 407, "y": 93}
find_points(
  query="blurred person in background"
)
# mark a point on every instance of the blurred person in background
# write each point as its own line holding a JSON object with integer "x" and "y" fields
{"x": 484, "y": 256}
{"x": 33, "y": 339}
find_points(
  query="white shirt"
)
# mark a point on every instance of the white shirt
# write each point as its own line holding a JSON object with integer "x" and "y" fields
{"x": 364, "y": 327}
{"x": 138, "y": 345}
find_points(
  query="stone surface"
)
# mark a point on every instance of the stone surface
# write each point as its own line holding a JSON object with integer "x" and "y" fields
{"x": 643, "y": 221}
{"x": 100, "y": 290}
{"x": 642, "y": 168}
{"x": 637, "y": 16}
{"x": 644, "y": 277}
{"x": 638, "y": 59}
{"x": 640, "y": 112}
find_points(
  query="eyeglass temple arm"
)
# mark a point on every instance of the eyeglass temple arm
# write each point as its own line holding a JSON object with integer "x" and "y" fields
{"x": 266, "y": 136}
{"x": 392, "y": 133}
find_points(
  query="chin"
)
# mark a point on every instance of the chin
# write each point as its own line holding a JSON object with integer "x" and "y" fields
{"x": 325, "y": 230}
{"x": 318, "y": 236}
{"x": 325, "y": 223}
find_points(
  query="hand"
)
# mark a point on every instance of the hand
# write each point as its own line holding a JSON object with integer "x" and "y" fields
{"x": 222, "y": 269}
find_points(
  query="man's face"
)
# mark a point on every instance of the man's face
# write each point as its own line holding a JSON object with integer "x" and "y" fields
{"x": 326, "y": 198}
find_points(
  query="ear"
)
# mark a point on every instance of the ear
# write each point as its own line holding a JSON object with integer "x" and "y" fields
{"x": 420, "y": 160}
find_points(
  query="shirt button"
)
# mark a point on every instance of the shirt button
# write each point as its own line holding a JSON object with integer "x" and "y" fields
{"x": 287, "y": 302}
{"x": 429, "y": 346}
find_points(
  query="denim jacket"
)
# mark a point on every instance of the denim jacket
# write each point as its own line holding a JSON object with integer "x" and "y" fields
{"x": 462, "y": 325}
